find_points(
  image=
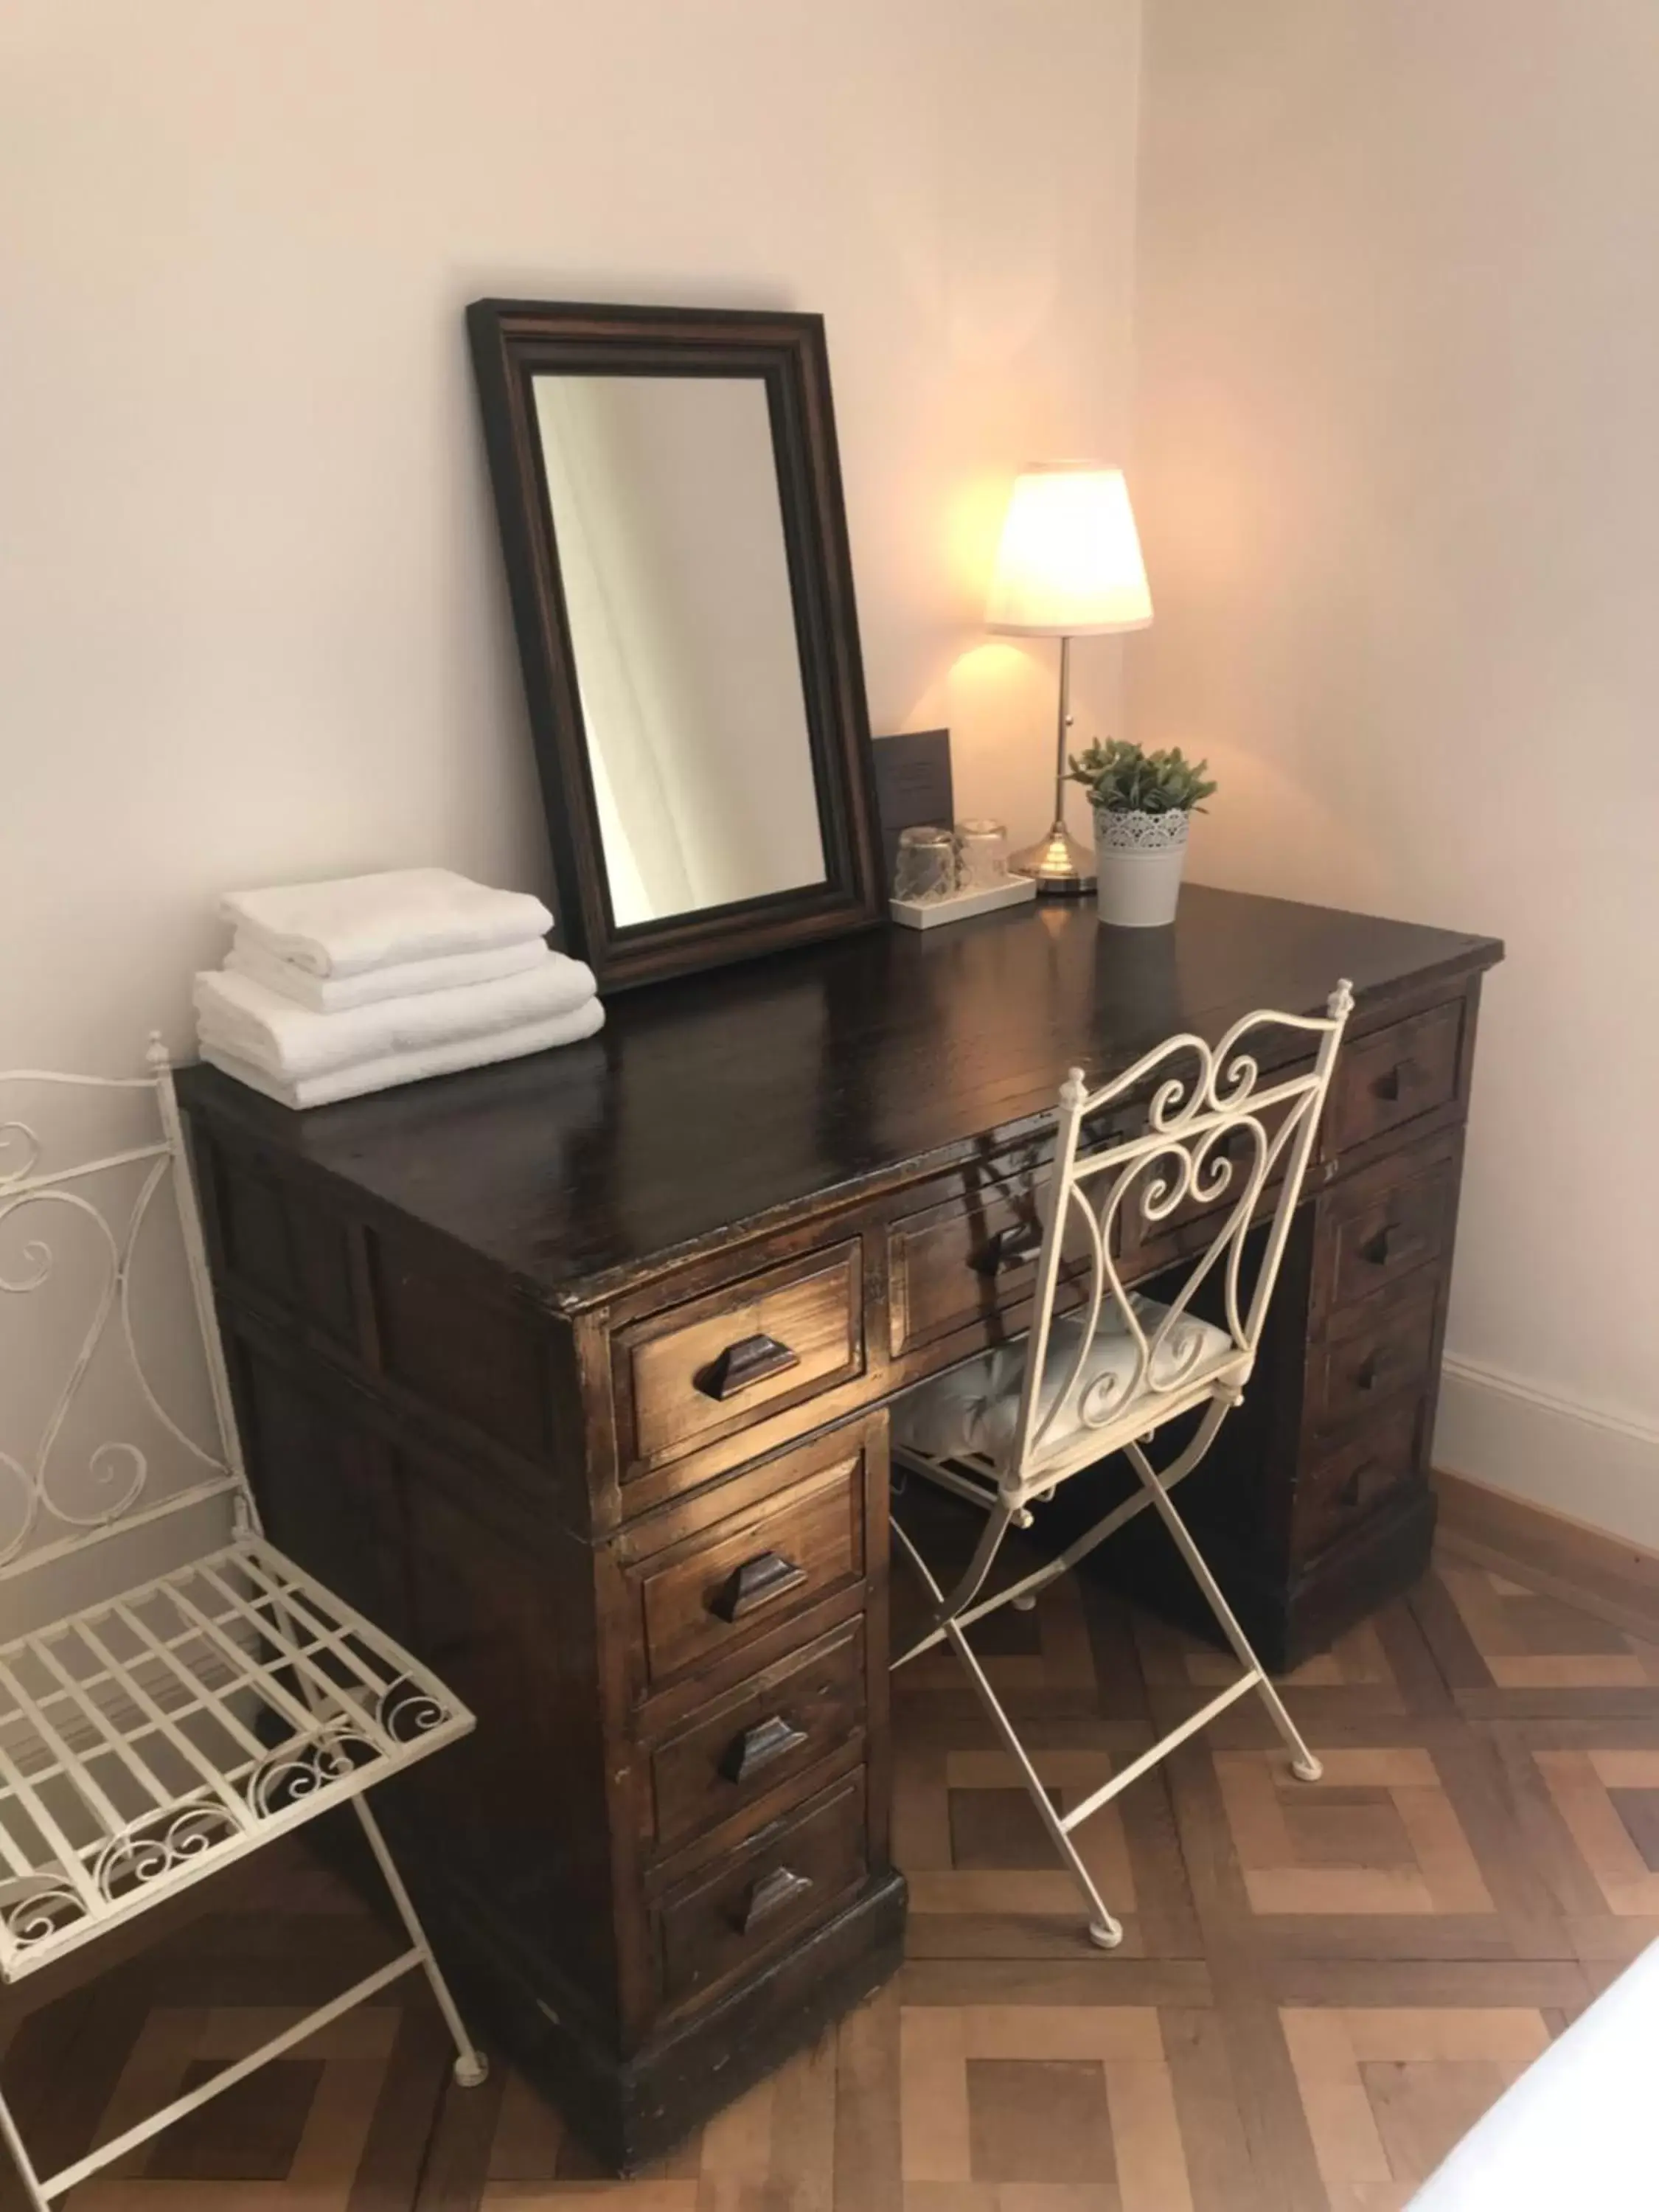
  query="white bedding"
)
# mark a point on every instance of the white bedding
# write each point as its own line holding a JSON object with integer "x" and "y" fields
{"x": 1580, "y": 2129}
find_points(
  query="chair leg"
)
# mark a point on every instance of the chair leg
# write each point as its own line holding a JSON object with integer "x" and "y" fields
{"x": 38, "y": 2202}
{"x": 1105, "y": 1930}
{"x": 472, "y": 2067}
{"x": 1304, "y": 1765}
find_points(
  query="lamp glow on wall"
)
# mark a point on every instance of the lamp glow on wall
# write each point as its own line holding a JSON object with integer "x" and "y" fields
{"x": 1068, "y": 565}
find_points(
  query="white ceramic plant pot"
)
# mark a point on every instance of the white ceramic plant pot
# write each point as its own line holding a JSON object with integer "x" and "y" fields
{"x": 1138, "y": 858}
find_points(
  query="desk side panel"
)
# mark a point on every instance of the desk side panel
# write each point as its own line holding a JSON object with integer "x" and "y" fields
{"x": 507, "y": 1832}
{"x": 466, "y": 1358}
{"x": 414, "y": 1437}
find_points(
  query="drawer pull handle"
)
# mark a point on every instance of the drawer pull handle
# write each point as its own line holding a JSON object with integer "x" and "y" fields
{"x": 755, "y": 1583}
{"x": 1395, "y": 1080}
{"x": 759, "y": 1746}
{"x": 1379, "y": 1247}
{"x": 750, "y": 1360}
{"x": 772, "y": 1894}
{"x": 1009, "y": 1248}
{"x": 1368, "y": 1373}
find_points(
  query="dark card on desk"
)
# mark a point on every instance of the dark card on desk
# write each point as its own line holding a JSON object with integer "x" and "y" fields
{"x": 912, "y": 786}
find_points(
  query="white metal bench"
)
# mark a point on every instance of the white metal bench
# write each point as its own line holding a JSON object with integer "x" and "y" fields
{"x": 156, "y": 1731}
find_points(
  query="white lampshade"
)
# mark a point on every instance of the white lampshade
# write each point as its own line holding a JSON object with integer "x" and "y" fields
{"x": 1069, "y": 561}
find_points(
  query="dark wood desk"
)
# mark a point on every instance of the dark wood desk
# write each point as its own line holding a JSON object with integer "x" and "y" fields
{"x": 476, "y": 1327}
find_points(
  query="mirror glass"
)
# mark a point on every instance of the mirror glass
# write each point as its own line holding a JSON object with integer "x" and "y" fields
{"x": 669, "y": 526}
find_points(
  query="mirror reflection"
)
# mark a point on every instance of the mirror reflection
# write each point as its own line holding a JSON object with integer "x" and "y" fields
{"x": 666, "y": 514}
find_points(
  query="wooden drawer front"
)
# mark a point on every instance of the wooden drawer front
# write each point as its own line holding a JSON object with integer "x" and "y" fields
{"x": 1342, "y": 1489}
{"x": 792, "y": 1874}
{"x": 767, "y": 1733}
{"x": 1383, "y": 1240}
{"x": 747, "y": 1574}
{"x": 966, "y": 1260}
{"x": 702, "y": 1370}
{"x": 1395, "y": 1074}
{"x": 1370, "y": 1356}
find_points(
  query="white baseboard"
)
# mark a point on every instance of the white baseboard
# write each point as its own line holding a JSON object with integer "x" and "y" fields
{"x": 1556, "y": 1452}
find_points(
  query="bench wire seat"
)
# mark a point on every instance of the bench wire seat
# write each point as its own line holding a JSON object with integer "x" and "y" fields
{"x": 159, "y": 1731}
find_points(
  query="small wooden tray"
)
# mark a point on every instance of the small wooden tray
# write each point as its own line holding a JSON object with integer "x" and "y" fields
{"x": 929, "y": 914}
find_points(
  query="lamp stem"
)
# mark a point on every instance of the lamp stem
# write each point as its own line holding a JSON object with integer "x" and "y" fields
{"x": 1062, "y": 868}
{"x": 1064, "y": 725}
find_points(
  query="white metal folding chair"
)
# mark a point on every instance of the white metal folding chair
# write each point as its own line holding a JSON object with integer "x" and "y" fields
{"x": 151, "y": 1736}
{"x": 1008, "y": 1427}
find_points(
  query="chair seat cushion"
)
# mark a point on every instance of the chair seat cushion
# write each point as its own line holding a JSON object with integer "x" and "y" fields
{"x": 972, "y": 1411}
{"x": 154, "y": 1736}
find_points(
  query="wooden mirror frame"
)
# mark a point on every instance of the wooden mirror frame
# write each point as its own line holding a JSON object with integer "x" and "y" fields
{"x": 512, "y": 340}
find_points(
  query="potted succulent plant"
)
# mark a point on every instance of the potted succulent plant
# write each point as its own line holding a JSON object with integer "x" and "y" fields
{"x": 1143, "y": 805}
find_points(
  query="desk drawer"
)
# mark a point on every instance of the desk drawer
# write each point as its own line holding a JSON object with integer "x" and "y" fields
{"x": 765, "y": 1733}
{"x": 971, "y": 1256}
{"x": 718, "y": 1363}
{"x": 1340, "y": 1490}
{"x": 1379, "y": 1227}
{"x": 1395, "y": 1074}
{"x": 1375, "y": 1351}
{"x": 1401, "y": 1230}
{"x": 744, "y": 1575}
{"x": 791, "y": 1876}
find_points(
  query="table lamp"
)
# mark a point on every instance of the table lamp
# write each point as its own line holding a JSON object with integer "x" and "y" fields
{"x": 1068, "y": 565}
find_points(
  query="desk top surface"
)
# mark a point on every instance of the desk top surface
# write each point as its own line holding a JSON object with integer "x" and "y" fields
{"x": 739, "y": 1099}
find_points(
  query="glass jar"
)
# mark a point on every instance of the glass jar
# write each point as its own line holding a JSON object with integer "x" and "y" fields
{"x": 926, "y": 867}
{"x": 981, "y": 855}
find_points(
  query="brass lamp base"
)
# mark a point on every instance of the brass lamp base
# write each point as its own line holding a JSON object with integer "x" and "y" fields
{"x": 1061, "y": 866}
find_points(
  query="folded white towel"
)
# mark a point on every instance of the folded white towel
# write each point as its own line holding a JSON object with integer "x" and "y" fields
{"x": 384, "y": 1073}
{"x": 356, "y": 922}
{"x": 240, "y": 1015}
{"x": 405, "y": 979}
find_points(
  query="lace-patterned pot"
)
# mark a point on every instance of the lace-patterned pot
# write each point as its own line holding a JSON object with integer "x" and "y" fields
{"x": 1138, "y": 858}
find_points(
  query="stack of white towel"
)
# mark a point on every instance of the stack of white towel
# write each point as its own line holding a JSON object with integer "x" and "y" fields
{"x": 330, "y": 990}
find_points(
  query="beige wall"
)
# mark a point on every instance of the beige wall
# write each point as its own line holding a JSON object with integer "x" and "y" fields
{"x": 252, "y": 626}
{"x": 254, "y": 622}
{"x": 1398, "y": 471}
{"x": 1396, "y": 468}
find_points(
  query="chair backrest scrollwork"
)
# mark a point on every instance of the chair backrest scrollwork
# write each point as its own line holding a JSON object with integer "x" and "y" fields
{"x": 88, "y": 1444}
{"x": 1218, "y": 1132}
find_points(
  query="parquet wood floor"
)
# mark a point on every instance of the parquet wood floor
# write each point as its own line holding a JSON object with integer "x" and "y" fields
{"x": 1320, "y": 1989}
